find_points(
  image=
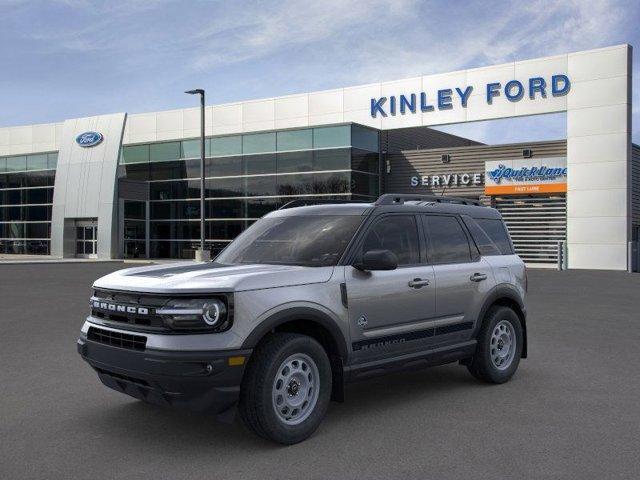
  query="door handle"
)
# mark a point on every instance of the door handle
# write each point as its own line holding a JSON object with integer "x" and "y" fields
{"x": 478, "y": 277}
{"x": 418, "y": 283}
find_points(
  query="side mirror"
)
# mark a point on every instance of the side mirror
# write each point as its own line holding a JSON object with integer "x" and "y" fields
{"x": 378, "y": 260}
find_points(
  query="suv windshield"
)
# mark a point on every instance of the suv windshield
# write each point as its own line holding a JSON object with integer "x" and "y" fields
{"x": 313, "y": 241}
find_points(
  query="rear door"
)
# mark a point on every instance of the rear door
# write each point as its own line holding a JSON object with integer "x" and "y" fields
{"x": 462, "y": 277}
{"x": 386, "y": 306}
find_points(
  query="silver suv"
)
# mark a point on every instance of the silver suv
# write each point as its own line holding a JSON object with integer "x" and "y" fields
{"x": 308, "y": 299}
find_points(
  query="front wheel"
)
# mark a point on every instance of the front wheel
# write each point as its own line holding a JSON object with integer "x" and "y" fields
{"x": 286, "y": 390}
{"x": 499, "y": 346}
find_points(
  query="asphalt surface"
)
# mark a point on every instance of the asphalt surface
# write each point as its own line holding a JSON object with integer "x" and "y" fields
{"x": 571, "y": 411}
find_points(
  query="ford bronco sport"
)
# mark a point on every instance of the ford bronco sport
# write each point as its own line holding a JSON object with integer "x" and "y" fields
{"x": 308, "y": 299}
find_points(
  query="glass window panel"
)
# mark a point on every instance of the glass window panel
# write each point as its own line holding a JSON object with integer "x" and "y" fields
{"x": 497, "y": 232}
{"x": 331, "y": 183}
{"x": 225, "y": 187}
{"x": 223, "y": 166}
{"x": 44, "y": 178}
{"x": 134, "y": 209}
{"x": 364, "y": 184}
{"x": 447, "y": 241}
{"x": 134, "y": 249}
{"x": 38, "y": 213}
{"x": 16, "y": 164}
{"x": 326, "y": 137}
{"x": 364, "y": 161}
{"x": 37, "y": 162}
{"x": 260, "y": 164}
{"x": 39, "y": 195}
{"x": 295, "y": 184}
{"x": 295, "y": 162}
{"x": 37, "y": 247}
{"x": 168, "y": 170}
{"x": 398, "y": 234}
{"x": 52, "y": 160}
{"x": 37, "y": 230}
{"x": 259, "y": 143}
{"x": 134, "y": 230}
{"x": 364, "y": 138}
{"x": 261, "y": 186}
{"x": 8, "y": 214}
{"x": 164, "y": 249}
{"x": 138, "y": 172}
{"x": 15, "y": 197}
{"x": 191, "y": 148}
{"x": 162, "y": 152}
{"x": 175, "y": 210}
{"x": 295, "y": 139}
{"x": 258, "y": 207}
{"x": 175, "y": 230}
{"x": 224, "y": 230}
{"x": 16, "y": 230}
{"x": 3, "y": 165}
{"x": 135, "y": 154}
{"x": 226, "y": 209}
{"x": 339, "y": 159}
{"x": 224, "y": 146}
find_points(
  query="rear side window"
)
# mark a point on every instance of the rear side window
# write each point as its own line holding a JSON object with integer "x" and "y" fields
{"x": 397, "y": 233}
{"x": 497, "y": 232}
{"x": 447, "y": 241}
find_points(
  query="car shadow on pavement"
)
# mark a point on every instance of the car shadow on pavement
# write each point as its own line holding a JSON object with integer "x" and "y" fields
{"x": 140, "y": 425}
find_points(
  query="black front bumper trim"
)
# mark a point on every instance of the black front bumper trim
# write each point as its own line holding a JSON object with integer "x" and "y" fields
{"x": 197, "y": 381}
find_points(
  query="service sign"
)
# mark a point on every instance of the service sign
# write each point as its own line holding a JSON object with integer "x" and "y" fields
{"x": 522, "y": 176}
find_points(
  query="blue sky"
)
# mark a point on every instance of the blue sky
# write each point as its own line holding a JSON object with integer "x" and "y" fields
{"x": 72, "y": 58}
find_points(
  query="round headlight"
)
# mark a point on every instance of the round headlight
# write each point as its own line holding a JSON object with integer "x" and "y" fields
{"x": 213, "y": 312}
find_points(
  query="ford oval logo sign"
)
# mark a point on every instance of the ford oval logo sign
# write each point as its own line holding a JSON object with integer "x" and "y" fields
{"x": 89, "y": 139}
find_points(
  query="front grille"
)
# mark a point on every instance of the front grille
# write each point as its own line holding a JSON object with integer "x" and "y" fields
{"x": 117, "y": 339}
{"x": 125, "y": 308}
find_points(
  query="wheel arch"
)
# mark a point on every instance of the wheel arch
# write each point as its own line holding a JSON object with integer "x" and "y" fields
{"x": 507, "y": 296}
{"x": 316, "y": 324}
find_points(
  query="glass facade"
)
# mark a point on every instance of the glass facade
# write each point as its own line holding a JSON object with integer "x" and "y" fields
{"x": 247, "y": 176}
{"x": 26, "y": 196}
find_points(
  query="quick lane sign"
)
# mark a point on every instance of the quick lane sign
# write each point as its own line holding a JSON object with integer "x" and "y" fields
{"x": 543, "y": 175}
{"x": 448, "y": 98}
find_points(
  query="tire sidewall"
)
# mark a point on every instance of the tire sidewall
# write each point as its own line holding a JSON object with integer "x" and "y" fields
{"x": 272, "y": 423}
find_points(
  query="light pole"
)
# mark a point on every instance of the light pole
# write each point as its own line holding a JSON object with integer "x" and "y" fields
{"x": 201, "y": 256}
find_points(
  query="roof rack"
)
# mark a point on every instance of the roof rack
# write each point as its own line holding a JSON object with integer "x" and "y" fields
{"x": 311, "y": 201}
{"x": 400, "y": 198}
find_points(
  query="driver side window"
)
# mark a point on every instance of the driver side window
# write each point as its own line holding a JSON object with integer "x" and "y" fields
{"x": 396, "y": 233}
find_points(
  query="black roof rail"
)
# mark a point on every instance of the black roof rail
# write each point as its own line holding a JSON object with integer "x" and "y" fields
{"x": 401, "y": 198}
{"x": 312, "y": 201}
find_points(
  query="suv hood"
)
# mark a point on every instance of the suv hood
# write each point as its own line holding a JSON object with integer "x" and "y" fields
{"x": 189, "y": 277}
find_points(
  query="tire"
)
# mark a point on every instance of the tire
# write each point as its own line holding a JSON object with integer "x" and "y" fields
{"x": 492, "y": 363}
{"x": 285, "y": 371}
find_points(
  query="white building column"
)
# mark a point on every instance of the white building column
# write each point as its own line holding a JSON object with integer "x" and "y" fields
{"x": 599, "y": 158}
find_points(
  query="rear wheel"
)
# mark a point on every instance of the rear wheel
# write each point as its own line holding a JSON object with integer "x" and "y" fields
{"x": 286, "y": 390}
{"x": 499, "y": 346}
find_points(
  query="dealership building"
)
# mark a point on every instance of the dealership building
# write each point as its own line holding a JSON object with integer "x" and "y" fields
{"x": 128, "y": 185}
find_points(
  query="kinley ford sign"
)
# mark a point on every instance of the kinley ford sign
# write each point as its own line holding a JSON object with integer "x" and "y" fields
{"x": 504, "y": 177}
{"x": 447, "y": 98}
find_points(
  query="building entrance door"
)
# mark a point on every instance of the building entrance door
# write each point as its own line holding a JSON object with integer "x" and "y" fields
{"x": 87, "y": 239}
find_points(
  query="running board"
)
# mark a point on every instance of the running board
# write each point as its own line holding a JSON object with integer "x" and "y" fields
{"x": 426, "y": 358}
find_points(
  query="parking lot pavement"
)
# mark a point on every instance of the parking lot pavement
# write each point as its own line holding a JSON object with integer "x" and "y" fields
{"x": 571, "y": 411}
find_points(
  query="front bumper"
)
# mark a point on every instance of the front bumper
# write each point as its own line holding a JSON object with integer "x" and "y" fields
{"x": 197, "y": 381}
